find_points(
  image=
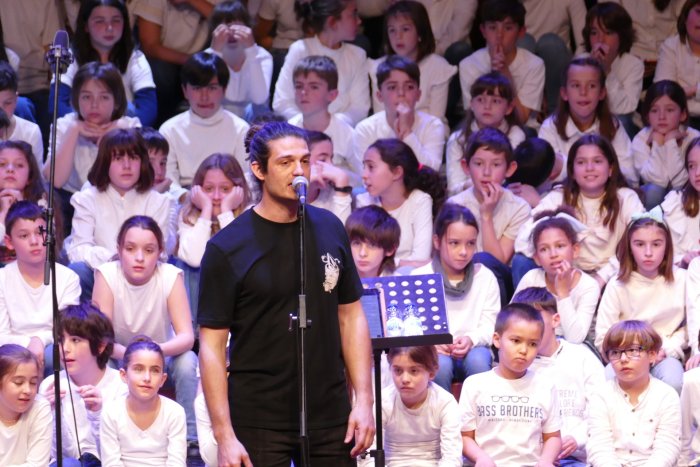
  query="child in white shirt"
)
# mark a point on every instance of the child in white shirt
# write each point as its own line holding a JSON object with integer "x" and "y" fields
{"x": 472, "y": 296}
{"x": 19, "y": 128}
{"x": 511, "y": 415}
{"x": 634, "y": 419}
{"x": 329, "y": 186}
{"x": 26, "y": 304}
{"x": 87, "y": 340}
{"x": 249, "y": 65}
{"x": 650, "y": 288}
{"x": 658, "y": 149}
{"x": 25, "y": 422}
{"x": 143, "y": 428}
{"x": 502, "y": 24}
{"x": 206, "y": 128}
{"x": 421, "y": 420}
{"x": 399, "y": 79}
{"x": 333, "y": 22}
{"x": 576, "y": 371}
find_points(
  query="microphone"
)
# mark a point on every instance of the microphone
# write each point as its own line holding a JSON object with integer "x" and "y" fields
{"x": 59, "y": 51}
{"x": 300, "y": 185}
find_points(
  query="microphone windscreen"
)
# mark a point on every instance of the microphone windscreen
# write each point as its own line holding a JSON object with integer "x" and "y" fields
{"x": 300, "y": 180}
{"x": 61, "y": 39}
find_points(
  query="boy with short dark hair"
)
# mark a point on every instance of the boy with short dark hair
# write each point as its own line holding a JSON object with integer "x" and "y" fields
{"x": 26, "y": 304}
{"x": 19, "y": 128}
{"x": 502, "y": 25}
{"x": 374, "y": 237}
{"x": 87, "y": 340}
{"x": 510, "y": 415}
{"x": 158, "y": 149}
{"x": 315, "y": 88}
{"x": 575, "y": 370}
{"x": 398, "y": 79}
{"x": 206, "y": 128}
{"x": 500, "y": 214}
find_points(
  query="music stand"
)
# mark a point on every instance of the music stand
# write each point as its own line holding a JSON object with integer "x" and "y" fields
{"x": 427, "y": 295}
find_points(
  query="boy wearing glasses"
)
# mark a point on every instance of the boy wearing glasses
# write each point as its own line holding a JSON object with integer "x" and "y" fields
{"x": 206, "y": 128}
{"x": 634, "y": 419}
{"x": 510, "y": 415}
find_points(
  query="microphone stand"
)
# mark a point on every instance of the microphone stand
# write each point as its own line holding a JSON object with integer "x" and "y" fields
{"x": 302, "y": 325}
{"x": 59, "y": 62}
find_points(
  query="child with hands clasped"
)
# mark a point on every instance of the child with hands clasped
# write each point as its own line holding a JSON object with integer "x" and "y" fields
{"x": 583, "y": 109}
{"x": 594, "y": 189}
{"x": 472, "y": 296}
{"x": 25, "y": 423}
{"x": 250, "y": 66}
{"x": 511, "y": 415}
{"x": 87, "y": 340}
{"x": 650, "y": 288}
{"x": 143, "y": 428}
{"x": 142, "y": 295}
{"x": 99, "y": 100}
{"x": 409, "y": 192}
{"x": 634, "y": 419}
{"x": 555, "y": 247}
{"x": 492, "y": 105}
{"x": 659, "y": 147}
{"x": 421, "y": 420}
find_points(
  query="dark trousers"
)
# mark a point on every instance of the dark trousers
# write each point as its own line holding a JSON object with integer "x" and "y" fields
{"x": 273, "y": 448}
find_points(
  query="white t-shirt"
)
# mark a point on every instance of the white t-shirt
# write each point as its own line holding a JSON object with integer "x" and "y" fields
{"x": 473, "y": 315}
{"x": 141, "y": 309}
{"x": 685, "y": 231}
{"x": 426, "y": 139}
{"x": 415, "y": 217}
{"x": 423, "y": 437}
{"x": 353, "y": 100}
{"x": 690, "y": 416}
{"x": 662, "y": 165}
{"x": 692, "y": 288}
{"x": 340, "y": 133}
{"x": 27, "y": 443}
{"x": 659, "y": 303}
{"x": 510, "y": 416}
{"x": 576, "y": 310}
{"x": 26, "y": 311}
{"x": 646, "y": 433}
{"x": 29, "y": 132}
{"x": 576, "y": 373}
{"x": 163, "y": 443}
{"x": 509, "y": 215}
{"x": 137, "y": 76}
{"x": 678, "y": 63}
{"x": 527, "y": 70}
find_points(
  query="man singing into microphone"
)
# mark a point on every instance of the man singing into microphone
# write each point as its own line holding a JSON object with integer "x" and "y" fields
{"x": 249, "y": 285}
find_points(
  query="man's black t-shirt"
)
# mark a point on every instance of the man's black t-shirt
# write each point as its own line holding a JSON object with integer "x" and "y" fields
{"x": 250, "y": 283}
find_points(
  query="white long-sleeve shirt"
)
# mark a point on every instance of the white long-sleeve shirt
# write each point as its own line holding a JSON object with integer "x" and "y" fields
{"x": 692, "y": 288}
{"x": 690, "y": 416}
{"x": 26, "y": 311}
{"x": 450, "y": 20}
{"x": 644, "y": 434}
{"x": 576, "y": 310}
{"x": 426, "y": 139}
{"x": 620, "y": 142}
{"x": 250, "y": 84}
{"x": 427, "y": 436}
{"x": 415, "y": 217}
{"x": 685, "y": 230}
{"x": 99, "y": 216}
{"x": 163, "y": 444}
{"x": 558, "y": 17}
{"x": 576, "y": 373}
{"x": 353, "y": 100}
{"x": 623, "y": 84}
{"x": 678, "y": 63}
{"x": 194, "y": 238}
{"x": 27, "y": 443}
{"x": 662, "y": 165}
{"x": 340, "y": 133}
{"x": 659, "y": 303}
{"x": 473, "y": 315}
{"x": 29, "y": 132}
